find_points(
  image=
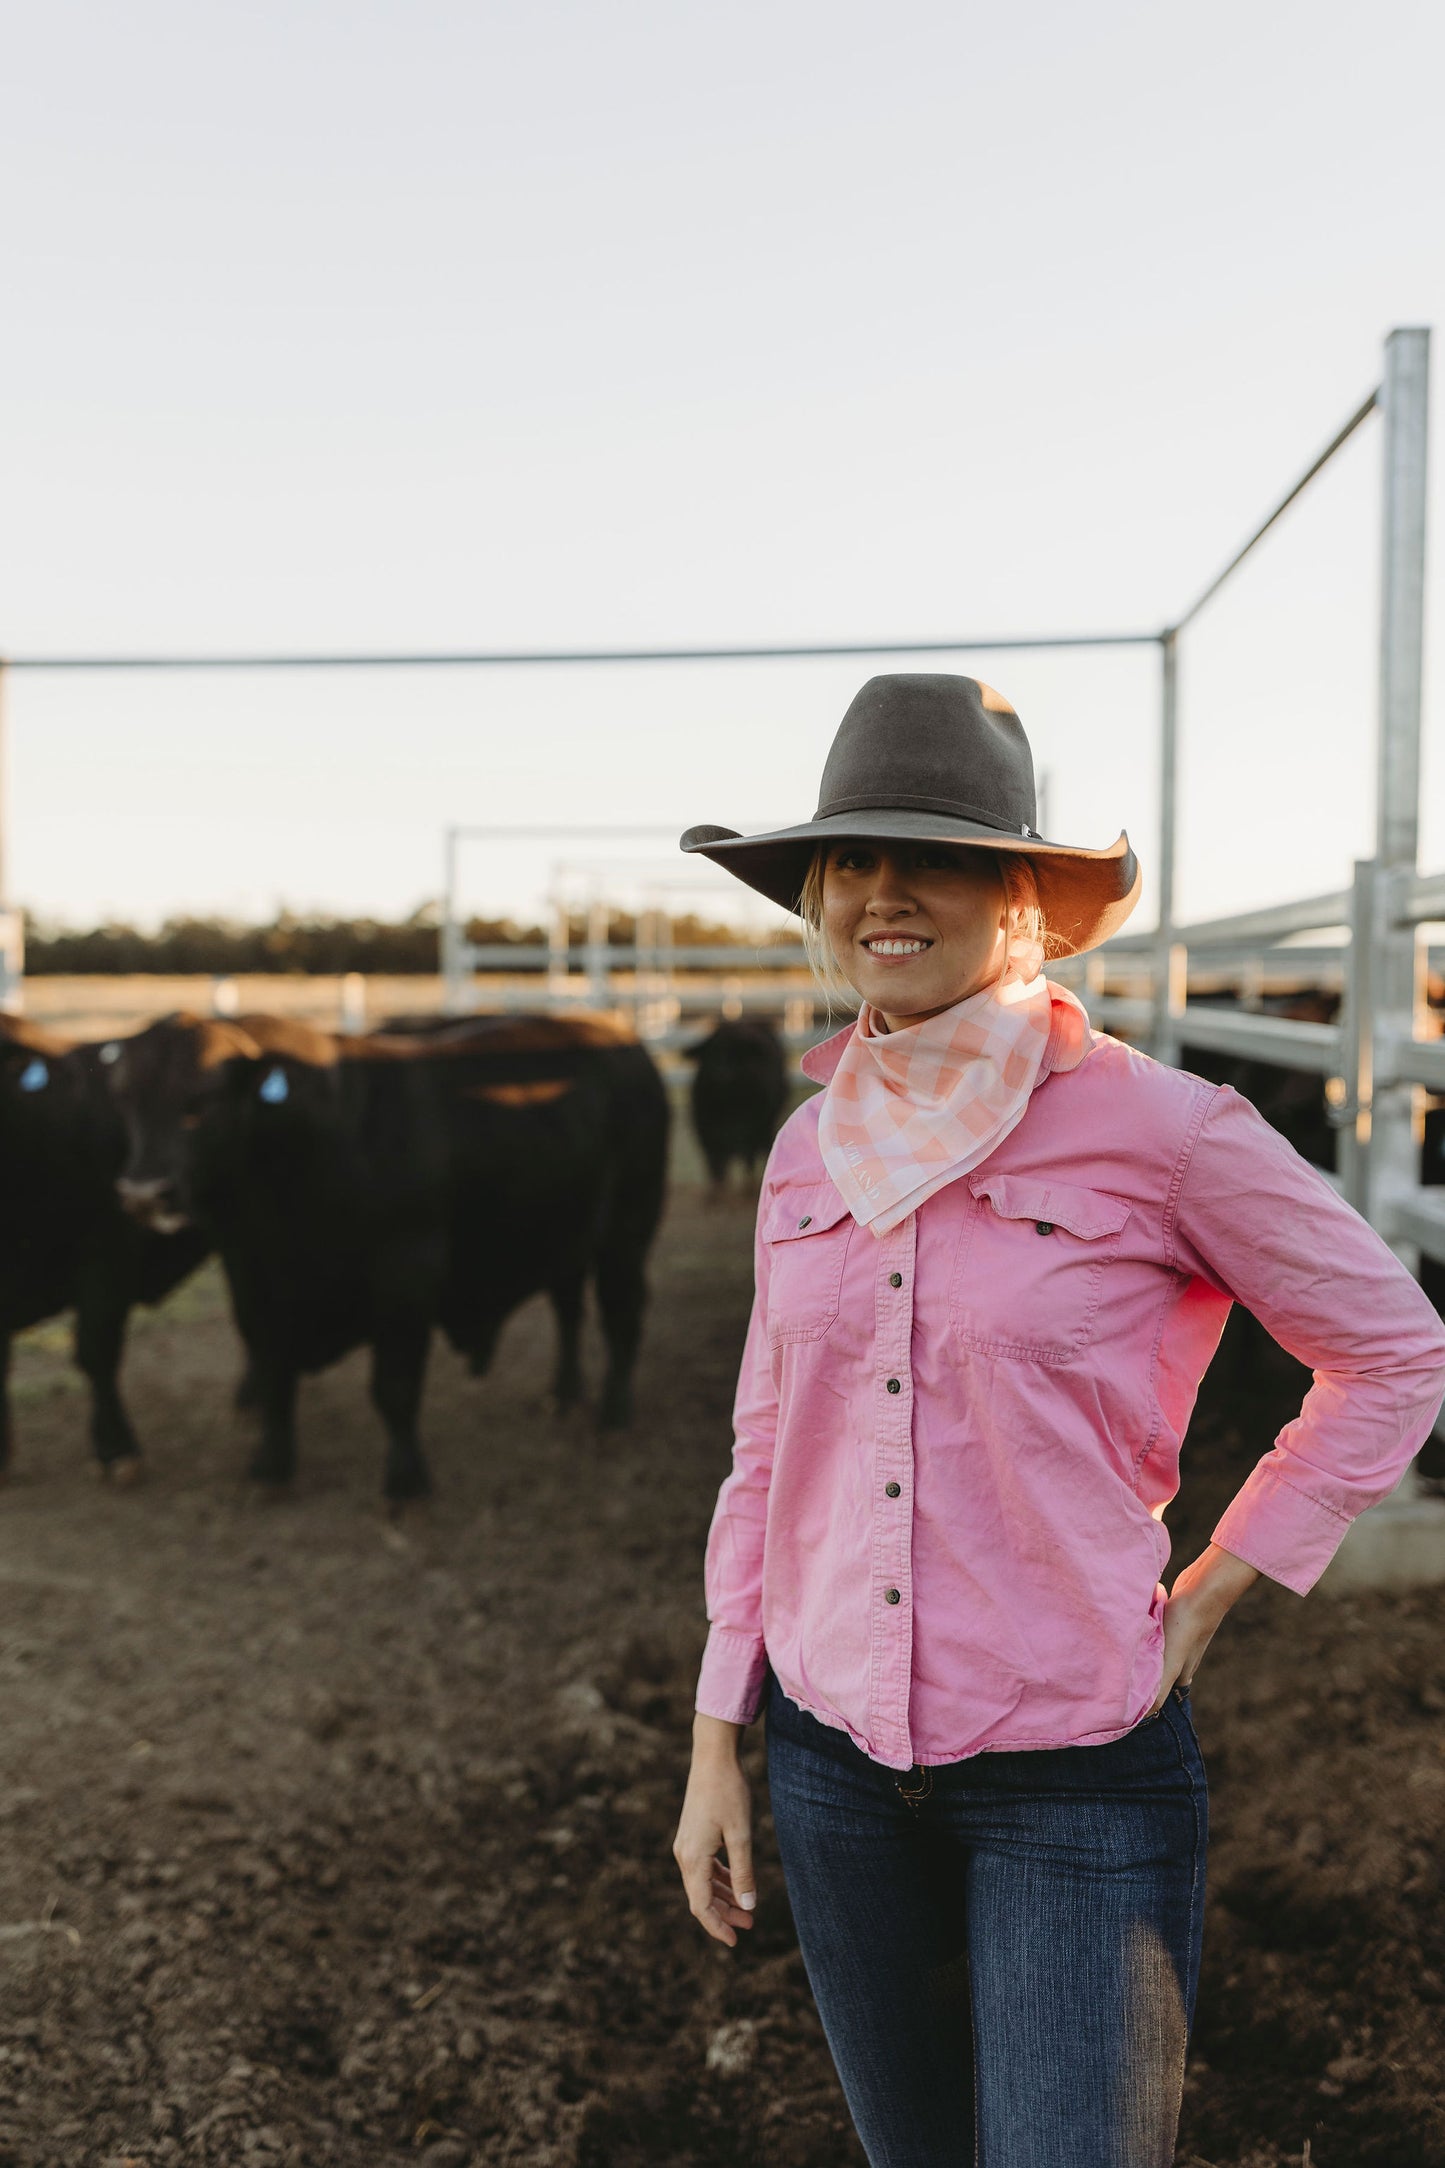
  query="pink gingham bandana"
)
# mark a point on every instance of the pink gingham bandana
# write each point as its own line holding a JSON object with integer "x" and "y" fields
{"x": 908, "y": 1111}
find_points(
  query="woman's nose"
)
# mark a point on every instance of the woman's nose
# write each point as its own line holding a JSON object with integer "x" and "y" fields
{"x": 889, "y": 893}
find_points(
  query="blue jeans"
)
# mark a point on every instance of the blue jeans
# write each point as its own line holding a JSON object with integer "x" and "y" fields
{"x": 1004, "y": 1950}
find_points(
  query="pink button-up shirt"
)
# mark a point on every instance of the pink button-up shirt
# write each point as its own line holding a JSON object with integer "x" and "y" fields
{"x": 954, "y": 1445}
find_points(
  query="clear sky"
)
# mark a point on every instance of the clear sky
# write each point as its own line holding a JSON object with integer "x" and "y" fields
{"x": 360, "y": 325}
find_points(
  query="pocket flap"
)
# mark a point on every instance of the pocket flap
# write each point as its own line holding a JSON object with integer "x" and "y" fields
{"x": 802, "y": 1209}
{"x": 1087, "y": 1213}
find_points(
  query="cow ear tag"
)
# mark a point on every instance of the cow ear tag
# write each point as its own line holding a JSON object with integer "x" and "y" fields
{"x": 274, "y": 1088}
{"x": 35, "y": 1076}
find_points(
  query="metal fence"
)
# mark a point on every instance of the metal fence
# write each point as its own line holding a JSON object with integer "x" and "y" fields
{"x": 1379, "y": 1056}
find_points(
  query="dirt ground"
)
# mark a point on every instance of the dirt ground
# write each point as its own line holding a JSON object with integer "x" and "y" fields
{"x": 336, "y": 1839}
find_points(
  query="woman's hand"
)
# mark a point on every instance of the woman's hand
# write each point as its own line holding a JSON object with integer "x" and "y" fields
{"x": 1201, "y": 1595}
{"x": 717, "y": 1811}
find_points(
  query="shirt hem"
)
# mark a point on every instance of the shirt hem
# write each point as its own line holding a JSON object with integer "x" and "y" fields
{"x": 940, "y": 1761}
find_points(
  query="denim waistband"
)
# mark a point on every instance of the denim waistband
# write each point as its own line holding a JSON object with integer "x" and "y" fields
{"x": 1007, "y": 1766}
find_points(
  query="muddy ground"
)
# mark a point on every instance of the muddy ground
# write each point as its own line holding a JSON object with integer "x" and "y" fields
{"x": 333, "y": 1839}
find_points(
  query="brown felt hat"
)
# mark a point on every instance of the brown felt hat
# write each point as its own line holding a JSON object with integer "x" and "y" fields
{"x": 920, "y": 757}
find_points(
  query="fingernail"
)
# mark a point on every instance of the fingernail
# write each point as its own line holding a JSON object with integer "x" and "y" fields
{"x": 747, "y": 1898}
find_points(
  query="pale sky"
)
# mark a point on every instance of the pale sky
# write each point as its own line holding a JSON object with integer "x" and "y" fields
{"x": 351, "y": 326}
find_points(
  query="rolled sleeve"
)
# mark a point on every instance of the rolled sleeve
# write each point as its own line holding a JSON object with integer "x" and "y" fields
{"x": 734, "y": 1663}
{"x": 1255, "y": 1220}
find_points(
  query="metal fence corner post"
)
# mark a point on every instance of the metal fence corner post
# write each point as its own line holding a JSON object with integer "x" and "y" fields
{"x": 1401, "y": 1541}
{"x": 1397, "y": 1107}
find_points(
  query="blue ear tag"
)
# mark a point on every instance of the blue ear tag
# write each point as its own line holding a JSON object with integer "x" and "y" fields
{"x": 35, "y": 1076}
{"x": 275, "y": 1088}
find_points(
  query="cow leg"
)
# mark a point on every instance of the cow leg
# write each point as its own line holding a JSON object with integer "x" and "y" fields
{"x": 567, "y": 1303}
{"x": 99, "y": 1343}
{"x": 398, "y": 1366}
{"x": 4, "y": 1403}
{"x": 621, "y": 1297}
{"x": 274, "y": 1460}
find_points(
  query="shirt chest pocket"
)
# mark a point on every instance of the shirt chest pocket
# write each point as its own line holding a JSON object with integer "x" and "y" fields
{"x": 807, "y": 1230}
{"x": 1032, "y": 1266}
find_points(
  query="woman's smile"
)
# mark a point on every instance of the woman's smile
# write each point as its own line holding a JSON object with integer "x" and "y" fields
{"x": 896, "y": 947}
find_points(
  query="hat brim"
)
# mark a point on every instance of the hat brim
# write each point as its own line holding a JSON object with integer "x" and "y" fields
{"x": 1086, "y": 895}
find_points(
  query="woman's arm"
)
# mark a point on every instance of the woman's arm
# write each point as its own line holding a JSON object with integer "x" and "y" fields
{"x": 716, "y": 1812}
{"x": 1201, "y": 1595}
{"x": 1256, "y": 1220}
{"x": 734, "y": 1662}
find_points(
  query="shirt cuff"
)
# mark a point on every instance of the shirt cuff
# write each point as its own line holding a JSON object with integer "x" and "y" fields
{"x": 1280, "y": 1530}
{"x": 730, "y": 1682}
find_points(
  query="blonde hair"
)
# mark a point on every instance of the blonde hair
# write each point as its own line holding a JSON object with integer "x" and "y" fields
{"x": 1028, "y": 940}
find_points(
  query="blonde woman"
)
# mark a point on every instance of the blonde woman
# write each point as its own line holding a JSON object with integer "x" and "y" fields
{"x": 994, "y": 1257}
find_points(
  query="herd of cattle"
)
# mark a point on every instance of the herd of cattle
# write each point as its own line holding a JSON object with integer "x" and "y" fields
{"x": 370, "y": 1191}
{"x": 360, "y": 1192}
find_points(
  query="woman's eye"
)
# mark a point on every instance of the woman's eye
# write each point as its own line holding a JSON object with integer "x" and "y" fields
{"x": 853, "y": 861}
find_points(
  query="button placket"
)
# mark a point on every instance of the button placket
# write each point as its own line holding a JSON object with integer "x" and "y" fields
{"x": 891, "y": 1590}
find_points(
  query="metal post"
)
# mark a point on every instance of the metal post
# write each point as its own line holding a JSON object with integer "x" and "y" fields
{"x": 559, "y": 944}
{"x": 453, "y": 989}
{"x": 1401, "y": 1541}
{"x": 353, "y": 1002}
{"x": 1350, "y": 1111}
{"x": 1397, "y": 1110}
{"x": 12, "y": 925}
{"x": 1166, "y": 1032}
{"x": 4, "y": 792}
{"x": 599, "y": 972}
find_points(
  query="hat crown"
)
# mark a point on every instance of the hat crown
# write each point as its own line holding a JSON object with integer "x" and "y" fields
{"x": 934, "y": 744}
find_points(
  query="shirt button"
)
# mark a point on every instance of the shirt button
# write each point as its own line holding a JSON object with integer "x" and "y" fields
{"x": 890, "y": 1595}
{"x": 1044, "y": 1227}
{"x": 895, "y": 1279}
{"x": 893, "y": 1489}
{"x": 805, "y": 1221}
{"x": 894, "y": 1386}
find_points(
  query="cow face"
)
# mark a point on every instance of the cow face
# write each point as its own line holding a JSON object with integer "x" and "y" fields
{"x": 41, "y": 1089}
{"x": 167, "y": 1081}
{"x": 268, "y": 1135}
{"x": 32, "y": 1089}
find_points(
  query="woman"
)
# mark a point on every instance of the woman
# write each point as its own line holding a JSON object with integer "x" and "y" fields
{"x": 994, "y": 1258}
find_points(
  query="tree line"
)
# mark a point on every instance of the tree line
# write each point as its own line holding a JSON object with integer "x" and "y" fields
{"x": 292, "y": 942}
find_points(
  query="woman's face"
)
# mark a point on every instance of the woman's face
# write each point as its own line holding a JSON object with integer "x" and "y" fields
{"x": 915, "y": 926}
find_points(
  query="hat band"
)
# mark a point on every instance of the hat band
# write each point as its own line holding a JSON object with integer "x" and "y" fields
{"x": 950, "y": 808}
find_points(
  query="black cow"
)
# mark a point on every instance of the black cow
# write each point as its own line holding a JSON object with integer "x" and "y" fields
{"x": 65, "y": 1243}
{"x": 363, "y": 1191}
{"x": 739, "y": 1092}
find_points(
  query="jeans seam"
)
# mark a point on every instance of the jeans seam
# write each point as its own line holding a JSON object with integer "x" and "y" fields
{"x": 973, "y": 2054}
{"x": 1196, "y": 1923}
